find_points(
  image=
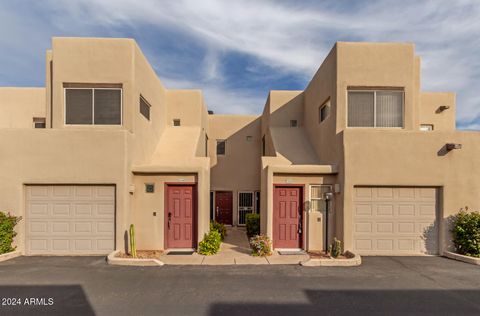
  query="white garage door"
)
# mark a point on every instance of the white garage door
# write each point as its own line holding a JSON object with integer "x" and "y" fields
{"x": 70, "y": 219}
{"x": 395, "y": 221}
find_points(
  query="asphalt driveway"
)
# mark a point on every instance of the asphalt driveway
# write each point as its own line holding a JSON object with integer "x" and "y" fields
{"x": 382, "y": 285}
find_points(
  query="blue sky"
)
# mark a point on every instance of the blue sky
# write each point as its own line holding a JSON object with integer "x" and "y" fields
{"x": 236, "y": 51}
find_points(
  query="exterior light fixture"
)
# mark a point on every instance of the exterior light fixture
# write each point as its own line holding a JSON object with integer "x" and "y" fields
{"x": 452, "y": 146}
{"x": 328, "y": 197}
{"x": 442, "y": 108}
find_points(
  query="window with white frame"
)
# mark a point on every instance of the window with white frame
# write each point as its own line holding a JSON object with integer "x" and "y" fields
{"x": 317, "y": 197}
{"x": 93, "y": 106}
{"x": 375, "y": 108}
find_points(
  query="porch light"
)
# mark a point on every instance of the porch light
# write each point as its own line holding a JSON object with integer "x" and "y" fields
{"x": 452, "y": 146}
{"x": 442, "y": 108}
{"x": 328, "y": 197}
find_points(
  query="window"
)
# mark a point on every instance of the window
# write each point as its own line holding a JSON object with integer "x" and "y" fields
{"x": 39, "y": 122}
{"x": 324, "y": 112}
{"x": 93, "y": 106}
{"x": 317, "y": 197}
{"x": 293, "y": 123}
{"x": 375, "y": 108}
{"x": 221, "y": 147}
{"x": 263, "y": 146}
{"x": 149, "y": 187}
{"x": 145, "y": 108}
{"x": 176, "y": 122}
{"x": 249, "y": 138}
{"x": 426, "y": 127}
{"x": 206, "y": 145}
{"x": 245, "y": 206}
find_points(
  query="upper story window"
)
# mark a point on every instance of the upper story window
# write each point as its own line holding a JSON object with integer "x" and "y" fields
{"x": 323, "y": 111}
{"x": 176, "y": 122}
{"x": 93, "y": 106}
{"x": 145, "y": 108}
{"x": 293, "y": 123}
{"x": 264, "y": 146}
{"x": 375, "y": 108}
{"x": 39, "y": 122}
{"x": 221, "y": 147}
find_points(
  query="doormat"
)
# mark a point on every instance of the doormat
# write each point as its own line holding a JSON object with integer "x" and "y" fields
{"x": 178, "y": 253}
{"x": 291, "y": 252}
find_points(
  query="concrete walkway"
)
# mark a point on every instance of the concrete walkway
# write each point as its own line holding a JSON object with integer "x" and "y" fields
{"x": 234, "y": 250}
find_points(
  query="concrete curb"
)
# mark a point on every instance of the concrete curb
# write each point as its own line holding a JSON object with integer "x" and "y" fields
{"x": 113, "y": 260}
{"x": 10, "y": 255}
{"x": 459, "y": 257}
{"x": 356, "y": 260}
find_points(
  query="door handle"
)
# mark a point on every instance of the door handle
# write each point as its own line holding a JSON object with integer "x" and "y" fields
{"x": 169, "y": 219}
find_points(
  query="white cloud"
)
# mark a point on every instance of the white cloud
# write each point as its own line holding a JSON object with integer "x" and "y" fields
{"x": 293, "y": 38}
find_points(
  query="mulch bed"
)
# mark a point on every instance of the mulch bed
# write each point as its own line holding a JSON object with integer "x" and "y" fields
{"x": 142, "y": 254}
{"x": 323, "y": 255}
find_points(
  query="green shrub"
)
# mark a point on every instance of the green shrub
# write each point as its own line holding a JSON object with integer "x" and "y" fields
{"x": 7, "y": 232}
{"x": 335, "y": 249}
{"x": 219, "y": 227}
{"x": 253, "y": 225}
{"x": 261, "y": 245}
{"x": 466, "y": 233}
{"x": 210, "y": 243}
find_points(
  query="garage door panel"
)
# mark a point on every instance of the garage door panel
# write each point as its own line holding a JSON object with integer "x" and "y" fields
{"x": 70, "y": 219}
{"x": 395, "y": 221}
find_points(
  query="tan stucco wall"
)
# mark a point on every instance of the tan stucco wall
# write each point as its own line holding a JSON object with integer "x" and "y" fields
{"x": 239, "y": 169}
{"x": 313, "y": 221}
{"x": 430, "y": 114}
{"x": 46, "y": 156}
{"x": 18, "y": 106}
{"x": 413, "y": 159}
{"x": 149, "y": 229}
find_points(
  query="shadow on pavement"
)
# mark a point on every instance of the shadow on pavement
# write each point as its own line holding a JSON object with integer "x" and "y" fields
{"x": 44, "y": 300}
{"x": 364, "y": 302}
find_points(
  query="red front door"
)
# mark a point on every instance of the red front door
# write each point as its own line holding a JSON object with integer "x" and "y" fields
{"x": 287, "y": 217}
{"x": 180, "y": 217}
{"x": 224, "y": 207}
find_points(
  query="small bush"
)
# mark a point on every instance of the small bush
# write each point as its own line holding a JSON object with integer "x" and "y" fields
{"x": 210, "y": 243}
{"x": 261, "y": 245}
{"x": 253, "y": 225}
{"x": 220, "y": 228}
{"x": 466, "y": 233}
{"x": 7, "y": 232}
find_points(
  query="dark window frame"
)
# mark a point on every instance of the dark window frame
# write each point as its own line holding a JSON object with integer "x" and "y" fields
{"x": 219, "y": 142}
{"x": 92, "y": 89}
{"x": 144, "y": 104}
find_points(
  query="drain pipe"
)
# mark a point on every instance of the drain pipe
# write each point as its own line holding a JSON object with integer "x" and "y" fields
{"x": 328, "y": 197}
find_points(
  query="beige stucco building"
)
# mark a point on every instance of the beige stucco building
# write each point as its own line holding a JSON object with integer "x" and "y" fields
{"x": 105, "y": 145}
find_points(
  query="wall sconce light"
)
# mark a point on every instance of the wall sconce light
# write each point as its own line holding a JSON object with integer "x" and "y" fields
{"x": 452, "y": 146}
{"x": 442, "y": 108}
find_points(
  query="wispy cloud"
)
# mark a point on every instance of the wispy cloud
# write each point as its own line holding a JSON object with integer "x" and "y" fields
{"x": 269, "y": 39}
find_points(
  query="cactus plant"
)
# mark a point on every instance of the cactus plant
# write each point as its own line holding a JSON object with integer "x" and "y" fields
{"x": 335, "y": 248}
{"x": 133, "y": 244}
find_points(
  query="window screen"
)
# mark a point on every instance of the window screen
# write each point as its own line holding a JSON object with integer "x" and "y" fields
{"x": 221, "y": 147}
{"x": 361, "y": 109}
{"x": 145, "y": 108}
{"x": 389, "y": 109}
{"x": 78, "y": 106}
{"x": 108, "y": 107}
